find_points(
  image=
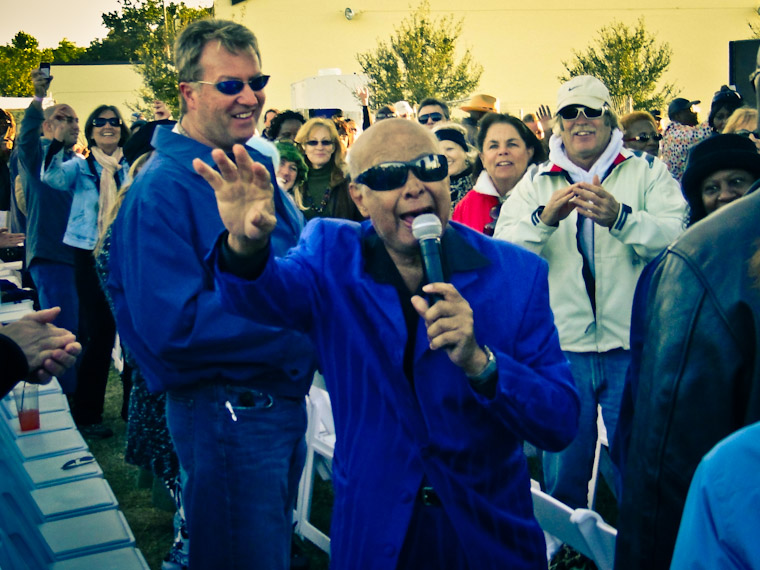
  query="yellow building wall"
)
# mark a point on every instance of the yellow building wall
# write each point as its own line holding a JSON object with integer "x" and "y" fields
{"x": 85, "y": 87}
{"x": 521, "y": 45}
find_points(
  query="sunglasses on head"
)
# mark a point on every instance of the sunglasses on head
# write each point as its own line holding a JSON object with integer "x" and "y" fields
{"x": 392, "y": 175}
{"x": 644, "y": 138}
{"x": 435, "y": 117}
{"x": 101, "y": 122}
{"x": 574, "y": 111}
{"x": 235, "y": 86}
{"x": 318, "y": 143}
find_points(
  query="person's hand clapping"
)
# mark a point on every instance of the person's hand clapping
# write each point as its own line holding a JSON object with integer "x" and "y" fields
{"x": 244, "y": 196}
{"x": 594, "y": 202}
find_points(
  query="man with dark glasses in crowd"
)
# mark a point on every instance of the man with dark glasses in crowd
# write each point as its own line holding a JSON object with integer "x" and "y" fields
{"x": 597, "y": 213}
{"x": 50, "y": 261}
{"x": 235, "y": 389}
{"x": 431, "y": 401}
{"x": 432, "y": 111}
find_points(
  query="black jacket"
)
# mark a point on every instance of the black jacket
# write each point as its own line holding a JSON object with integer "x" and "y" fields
{"x": 700, "y": 375}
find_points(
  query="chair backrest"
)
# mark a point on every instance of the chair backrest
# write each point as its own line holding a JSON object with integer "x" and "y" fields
{"x": 582, "y": 529}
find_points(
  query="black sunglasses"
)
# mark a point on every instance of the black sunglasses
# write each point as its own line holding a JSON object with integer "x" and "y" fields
{"x": 318, "y": 143}
{"x": 102, "y": 121}
{"x": 392, "y": 175}
{"x": 574, "y": 111}
{"x": 435, "y": 117}
{"x": 645, "y": 138}
{"x": 235, "y": 86}
{"x": 746, "y": 133}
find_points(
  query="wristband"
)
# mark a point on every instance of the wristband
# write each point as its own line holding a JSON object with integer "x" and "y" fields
{"x": 38, "y": 99}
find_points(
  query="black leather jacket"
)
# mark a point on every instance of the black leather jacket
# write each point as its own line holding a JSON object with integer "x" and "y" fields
{"x": 700, "y": 374}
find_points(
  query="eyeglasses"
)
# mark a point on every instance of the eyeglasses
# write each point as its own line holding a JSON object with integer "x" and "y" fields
{"x": 644, "y": 138}
{"x": 319, "y": 143}
{"x": 102, "y": 121}
{"x": 435, "y": 117}
{"x": 66, "y": 119}
{"x": 392, "y": 175}
{"x": 747, "y": 133}
{"x": 235, "y": 86}
{"x": 573, "y": 112}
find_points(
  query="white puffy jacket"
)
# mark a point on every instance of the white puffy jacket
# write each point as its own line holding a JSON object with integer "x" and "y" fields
{"x": 652, "y": 214}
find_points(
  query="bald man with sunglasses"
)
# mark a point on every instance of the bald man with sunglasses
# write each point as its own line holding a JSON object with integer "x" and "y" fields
{"x": 597, "y": 213}
{"x": 432, "y": 400}
{"x": 235, "y": 390}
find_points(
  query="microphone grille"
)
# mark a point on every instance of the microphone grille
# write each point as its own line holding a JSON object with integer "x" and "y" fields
{"x": 426, "y": 226}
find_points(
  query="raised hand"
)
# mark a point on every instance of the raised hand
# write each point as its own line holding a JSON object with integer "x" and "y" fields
{"x": 244, "y": 196}
{"x": 450, "y": 325}
{"x": 545, "y": 118}
{"x": 362, "y": 93}
{"x": 40, "y": 83}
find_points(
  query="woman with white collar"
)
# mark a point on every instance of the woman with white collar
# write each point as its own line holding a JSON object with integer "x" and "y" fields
{"x": 506, "y": 147}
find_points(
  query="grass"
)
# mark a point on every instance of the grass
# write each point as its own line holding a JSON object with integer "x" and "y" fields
{"x": 152, "y": 526}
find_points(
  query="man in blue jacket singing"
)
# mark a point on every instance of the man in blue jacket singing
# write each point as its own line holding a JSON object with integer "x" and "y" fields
{"x": 431, "y": 402}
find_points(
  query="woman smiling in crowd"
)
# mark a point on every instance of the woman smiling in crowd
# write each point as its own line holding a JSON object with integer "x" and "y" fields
{"x": 94, "y": 182}
{"x": 325, "y": 192}
{"x": 506, "y": 147}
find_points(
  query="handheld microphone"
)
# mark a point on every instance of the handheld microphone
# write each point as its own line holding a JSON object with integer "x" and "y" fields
{"x": 427, "y": 229}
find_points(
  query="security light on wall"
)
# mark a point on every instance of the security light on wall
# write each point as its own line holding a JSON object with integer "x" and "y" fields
{"x": 351, "y": 14}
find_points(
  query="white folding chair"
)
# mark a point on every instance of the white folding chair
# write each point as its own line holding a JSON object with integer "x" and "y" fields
{"x": 582, "y": 529}
{"x": 601, "y": 440}
{"x": 320, "y": 445}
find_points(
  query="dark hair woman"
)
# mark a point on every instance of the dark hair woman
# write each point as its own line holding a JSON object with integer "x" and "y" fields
{"x": 506, "y": 147}
{"x": 94, "y": 182}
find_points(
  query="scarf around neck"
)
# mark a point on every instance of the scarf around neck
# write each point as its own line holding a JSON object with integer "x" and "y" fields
{"x": 558, "y": 156}
{"x": 108, "y": 187}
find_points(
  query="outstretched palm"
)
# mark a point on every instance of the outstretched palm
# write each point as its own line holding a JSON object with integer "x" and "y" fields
{"x": 244, "y": 197}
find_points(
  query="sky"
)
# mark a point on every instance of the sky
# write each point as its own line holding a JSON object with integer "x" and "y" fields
{"x": 79, "y": 21}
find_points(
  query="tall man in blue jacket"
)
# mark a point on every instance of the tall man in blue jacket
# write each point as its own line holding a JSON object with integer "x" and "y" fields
{"x": 431, "y": 403}
{"x": 50, "y": 261}
{"x": 235, "y": 389}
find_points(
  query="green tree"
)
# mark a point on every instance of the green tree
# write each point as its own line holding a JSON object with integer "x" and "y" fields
{"x": 420, "y": 61}
{"x": 630, "y": 63}
{"x": 17, "y": 60}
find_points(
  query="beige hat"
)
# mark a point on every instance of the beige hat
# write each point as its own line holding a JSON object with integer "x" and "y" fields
{"x": 483, "y": 103}
{"x": 583, "y": 90}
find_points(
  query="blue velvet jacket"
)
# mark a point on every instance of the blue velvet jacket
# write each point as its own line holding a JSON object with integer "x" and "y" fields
{"x": 392, "y": 433}
{"x": 166, "y": 311}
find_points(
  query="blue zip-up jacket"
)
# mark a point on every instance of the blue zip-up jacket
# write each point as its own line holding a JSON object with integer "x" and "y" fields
{"x": 77, "y": 176}
{"x": 166, "y": 311}
{"x": 47, "y": 209}
{"x": 391, "y": 434}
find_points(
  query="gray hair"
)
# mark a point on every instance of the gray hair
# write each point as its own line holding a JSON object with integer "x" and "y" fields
{"x": 190, "y": 43}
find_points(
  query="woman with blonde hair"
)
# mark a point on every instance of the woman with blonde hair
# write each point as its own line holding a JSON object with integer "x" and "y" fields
{"x": 325, "y": 192}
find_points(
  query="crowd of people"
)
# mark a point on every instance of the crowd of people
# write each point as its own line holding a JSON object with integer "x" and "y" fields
{"x": 590, "y": 261}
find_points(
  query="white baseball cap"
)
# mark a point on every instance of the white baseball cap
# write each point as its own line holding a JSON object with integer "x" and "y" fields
{"x": 583, "y": 90}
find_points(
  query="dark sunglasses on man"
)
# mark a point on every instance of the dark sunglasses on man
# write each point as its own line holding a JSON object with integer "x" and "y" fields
{"x": 235, "y": 86}
{"x": 573, "y": 112}
{"x": 644, "y": 138}
{"x": 102, "y": 121}
{"x": 392, "y": 175}
{"x": 435, "y": 117}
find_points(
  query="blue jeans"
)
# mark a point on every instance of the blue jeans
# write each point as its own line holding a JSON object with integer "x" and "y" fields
{"x": 242, "y": 466}
{"x": 56, "y": 287}
{"x": 599, "y": 378}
